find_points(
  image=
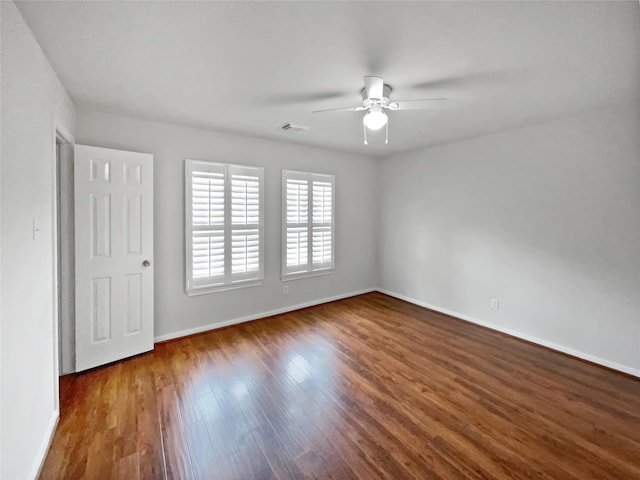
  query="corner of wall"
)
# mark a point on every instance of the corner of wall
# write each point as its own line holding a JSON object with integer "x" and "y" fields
{"x": 378, "y": 207}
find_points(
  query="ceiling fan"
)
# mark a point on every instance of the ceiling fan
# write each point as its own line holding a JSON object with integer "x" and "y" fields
{"x": 375, "y": 100}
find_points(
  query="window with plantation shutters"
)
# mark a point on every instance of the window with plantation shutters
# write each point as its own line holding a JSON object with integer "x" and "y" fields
{"x": 224, "y": 226}
{"x": 308, "y": 201}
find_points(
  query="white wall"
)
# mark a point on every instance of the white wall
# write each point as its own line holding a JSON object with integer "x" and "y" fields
{"x": 31, "y": 97}
{"x": 171, "y": 144}
{"x": 544, "y": 218}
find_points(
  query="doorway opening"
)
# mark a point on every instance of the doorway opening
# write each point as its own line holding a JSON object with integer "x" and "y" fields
{"x": 62, "y": 255}
{"x": 59, "y": 241}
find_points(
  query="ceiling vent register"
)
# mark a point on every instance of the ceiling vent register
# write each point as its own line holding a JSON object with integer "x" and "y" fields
{"x": 294, "y": 128}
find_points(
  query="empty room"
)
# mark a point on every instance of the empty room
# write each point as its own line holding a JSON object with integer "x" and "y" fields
{"x": 341, "y": 240}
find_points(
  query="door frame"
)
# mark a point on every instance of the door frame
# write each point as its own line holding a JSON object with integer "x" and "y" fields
{"x": 60, "y": 133}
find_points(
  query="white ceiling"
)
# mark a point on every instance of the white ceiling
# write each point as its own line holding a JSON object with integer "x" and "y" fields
{"x": 250, "y": 67}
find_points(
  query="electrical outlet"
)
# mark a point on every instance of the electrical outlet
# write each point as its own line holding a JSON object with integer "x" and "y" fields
{"x": 285, "y": 289}
{"x": 495, "y": 304}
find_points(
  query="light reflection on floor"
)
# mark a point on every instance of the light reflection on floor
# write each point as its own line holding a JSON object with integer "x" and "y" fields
{"x": 298, "y": 368}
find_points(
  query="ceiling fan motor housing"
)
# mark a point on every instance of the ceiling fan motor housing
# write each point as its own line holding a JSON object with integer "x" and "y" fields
{"x": 386, "y": 93}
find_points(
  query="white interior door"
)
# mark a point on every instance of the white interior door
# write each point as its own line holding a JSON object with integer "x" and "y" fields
{"x": 114, "y": 254}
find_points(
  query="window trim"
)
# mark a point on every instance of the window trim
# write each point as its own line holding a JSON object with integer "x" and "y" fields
{"x": 309, "y": 177}
{"x": 192, "y": 289}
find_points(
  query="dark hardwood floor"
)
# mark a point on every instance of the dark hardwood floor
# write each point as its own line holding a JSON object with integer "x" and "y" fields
{"x": 364, "y": 388}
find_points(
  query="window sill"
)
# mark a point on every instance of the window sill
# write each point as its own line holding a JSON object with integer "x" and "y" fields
{"x": 298, "y": 276}
{"x": 222, "y": 288}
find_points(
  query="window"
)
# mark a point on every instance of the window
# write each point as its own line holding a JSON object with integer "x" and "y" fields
{"x": 224, "y": 226}
{"x": 308, "y": 231}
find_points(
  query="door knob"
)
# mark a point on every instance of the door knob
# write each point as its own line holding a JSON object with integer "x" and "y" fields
{"x": 146, "y": 263}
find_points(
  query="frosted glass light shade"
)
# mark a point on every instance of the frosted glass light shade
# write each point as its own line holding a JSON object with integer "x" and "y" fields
{"x": 375, "y": 120}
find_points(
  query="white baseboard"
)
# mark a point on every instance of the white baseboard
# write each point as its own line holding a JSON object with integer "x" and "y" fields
{"x": 554, "y": 346}
{"x": 256, "y": 316}
{"x": 44, "y": 446}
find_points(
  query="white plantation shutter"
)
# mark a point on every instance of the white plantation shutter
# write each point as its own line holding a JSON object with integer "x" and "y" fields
{"x": 224, "y": 226}
{"x": 322, "y": 236}
{"x": 245, "y": 252}
{"x": 207, "y": 198}
{"x": 297, "y": 249}
{"x": 245, "y": 223}
{"x": 308, "y": 223}
{"x": 208, "y": 256}
{"x": 207, "y": 217}
{"x": 297, "y": 231}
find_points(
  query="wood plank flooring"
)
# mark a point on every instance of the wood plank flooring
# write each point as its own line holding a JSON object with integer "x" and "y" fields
{"x": 364, "y": 388}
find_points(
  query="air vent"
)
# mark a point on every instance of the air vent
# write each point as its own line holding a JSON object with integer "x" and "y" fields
{"x": 293, "y": 128}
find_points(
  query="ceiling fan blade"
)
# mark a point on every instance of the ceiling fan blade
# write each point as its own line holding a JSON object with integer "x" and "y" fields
{"x": 413, "y": 104}
{"x": 443, "y": 82}
{"x": 374, "y": 86}
{"x": 466, "y": 80}
{"x": 346, "y": 109}
{"x": 293, "y": 98}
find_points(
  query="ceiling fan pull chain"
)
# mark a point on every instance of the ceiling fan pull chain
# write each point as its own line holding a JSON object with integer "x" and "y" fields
{"x": 386, "y": 135}
{"x": 364, "y": 129}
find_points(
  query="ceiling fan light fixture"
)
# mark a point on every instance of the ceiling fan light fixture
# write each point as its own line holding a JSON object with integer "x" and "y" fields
{"x": 375, "y": 119}
{"x": 375, "y": 100}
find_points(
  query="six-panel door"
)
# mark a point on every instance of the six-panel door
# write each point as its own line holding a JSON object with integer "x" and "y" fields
{"x": 113, "y": 254}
